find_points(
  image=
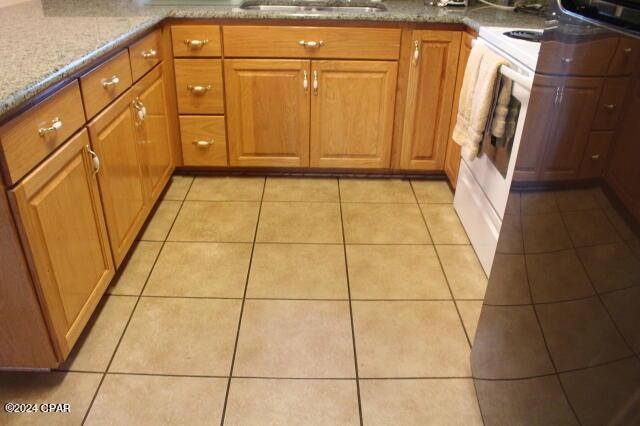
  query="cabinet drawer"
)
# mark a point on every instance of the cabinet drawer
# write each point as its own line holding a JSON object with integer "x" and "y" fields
{"x": 626, "y": 57}
{"x": 105, "y": 83}
{"x": 29, "y": 138}
{"x": 610, "y": 106}
{"x": 195, "y": 40}
{"x": 582, "y": 58}
{"x": 596, "y": 155}
{"x": 203, "y": 141}
{"x": 199, "y": 86}
{"x": 289, "y": 42}
{"x": 145, "y": 54}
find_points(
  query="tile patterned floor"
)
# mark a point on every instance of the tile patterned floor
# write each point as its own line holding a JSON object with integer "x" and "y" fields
{"x": 281, "y": 301}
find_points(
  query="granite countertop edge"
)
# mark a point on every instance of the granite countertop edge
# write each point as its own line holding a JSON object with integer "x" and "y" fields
{"x": 26, "y": 92}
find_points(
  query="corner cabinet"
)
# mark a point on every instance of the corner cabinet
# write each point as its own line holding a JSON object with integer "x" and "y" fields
{"x": 430, "y": 91}
{"x": 62, "y": 223}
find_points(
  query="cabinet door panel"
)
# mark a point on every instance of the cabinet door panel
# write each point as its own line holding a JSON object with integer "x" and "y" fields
{"x": 432, "y": 80}
{"x": 352, "y": 113}
{"x": 120, "y": 177}
{"x": 153, "y": 134}
{"x": 62, "y": 221}
{"x": 268, "y": 112}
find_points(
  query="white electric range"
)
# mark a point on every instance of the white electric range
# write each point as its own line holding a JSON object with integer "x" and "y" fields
{"x": 483, "y": 183}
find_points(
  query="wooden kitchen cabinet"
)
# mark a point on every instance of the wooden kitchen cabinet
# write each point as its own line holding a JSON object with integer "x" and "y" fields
{"x": 152, "y": 133}
{"x": 268, "y": 110}
{"x": 61, "y": 222}
{"x": 430, "y": 90}
{"x": 452, "y": 157}
{"x": 352, "y": 110}
{"x": 121, "y": 173}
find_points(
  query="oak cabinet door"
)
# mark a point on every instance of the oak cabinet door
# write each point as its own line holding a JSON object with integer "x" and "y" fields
{"x": 452, "y": 158}
{"x": 152, "y": 131}
{"x": 352, "y": 110}
{"x": 120, "y": 177}
{"x": 62, "y": 223}
{"x": 268, "y": 112}
{"x": 430, "y": 94}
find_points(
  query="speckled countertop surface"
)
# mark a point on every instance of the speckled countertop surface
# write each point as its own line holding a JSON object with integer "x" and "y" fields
{"x": 42, "y": 42}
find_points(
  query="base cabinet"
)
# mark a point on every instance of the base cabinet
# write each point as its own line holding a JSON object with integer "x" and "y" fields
{"x": 352, "y": 111}
{"x": 430, "y": 91}
{"x": 62, "y": 223}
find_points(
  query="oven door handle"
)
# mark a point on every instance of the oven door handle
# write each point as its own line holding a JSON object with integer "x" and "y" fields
{"x": 518, "y": 78}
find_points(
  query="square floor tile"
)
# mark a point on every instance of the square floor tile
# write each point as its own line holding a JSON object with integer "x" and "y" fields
{"x": 298, "y": 271}
{"x": 376, "y": 191}
{"x": 532, "y": 203}
{"x": 287, "y": 402}
{"x": 214, "y": 188}
{"x": 179, "y": 336}
{"x": 509, "y": 344}
{"x": 444, "y": 224}
{"x": 544, "y": 233}
{"x": 538, "y": 401}
{"x": 557, "y": 276}
{"x": 508, "y": 283}
{"x": 98, "y": 341}
{"x": 576, "y": 199}
{"x": 470, "y": 313}
{"x": 200, "y": 270}
{"x": 580, "y": 334}
{"x": 161, "y": 221}
{"x": 395, "y": 272}
{"x": 514, "y": 203}
{"x": 620, "y": 224}
{"x": 624, "y": 308}
{"x": 432, "y": 192}
{"x": 410, "y": 339}
{"x": 222, "y": 222}
{"x": 590, "y": 227}
{"x": 158, "y": 400}
{"x": 75, "y": 389}
{"x": 384, "y": 224}
{"x": 300, "y": 222}
{"x": 420, "y": 402}
{"x": 605, "y": 395}
{"x": 601, "y": 198}
{"x": 463, "y": 271}
{"x": 135, "y": 272}
{"x": 177, "y": 188}
{"x": 302, "y": 189}
{"x": 293, "y": 338}
{"x": 511, "y": 240}
{"x": 610, "y": 266}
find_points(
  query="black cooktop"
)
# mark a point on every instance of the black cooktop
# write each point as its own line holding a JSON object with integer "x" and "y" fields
{"x": 533, "y": 36}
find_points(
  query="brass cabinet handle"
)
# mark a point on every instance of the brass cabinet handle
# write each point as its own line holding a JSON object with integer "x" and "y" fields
{"x": 149, "y": 54}
{"x": 310, "y": 43}
{"x": 95, "y": 160}
{"x": 141, "y": 111}
{"x": 305, "y": 82}
{"x": 566, "y": 60}
{"x": 416, "y": 52}
{"x": 595, "y": 156}
{"x": 609, "y": 106}
{"x": 203, "y": 143}
{"x": 627, "y": 50}
{"x": 56, "y": 124}
{"x": 196, "y": 44}
{"x": 110, "y": 82}
{"x": 316, "y": 83}
{"x": 199, "y": 89}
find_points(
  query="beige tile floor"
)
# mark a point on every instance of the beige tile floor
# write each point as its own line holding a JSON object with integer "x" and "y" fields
{"x": 280, "y": 301}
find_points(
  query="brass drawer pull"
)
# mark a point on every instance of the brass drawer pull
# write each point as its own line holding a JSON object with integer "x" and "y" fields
{"x": 149, "y": 54}
{"x": 595, "y": 157}
{"x": 627, "y": 50}
{"x": 198, "y": 89}
{"x": 566, "y": 60}
{"x": 56, "y": 124}
{"x": 111, "y": 82}
{"x": 203, "y": 143}
{"x": 609, "y": 106}
{"x": 310, "y": 43}
{"x": 196, "y": 44}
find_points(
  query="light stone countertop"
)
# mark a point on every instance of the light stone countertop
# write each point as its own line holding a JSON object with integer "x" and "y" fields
{"x": 44, "y": 41}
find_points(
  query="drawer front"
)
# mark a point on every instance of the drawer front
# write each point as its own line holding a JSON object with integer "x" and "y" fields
{"x": 596, "y": 155}
{"x": 585, "y": 58}
{"x": 610, "y": 108}
{"x": 311, "y": 42}
{"x": 195, "y": 40}
{"x": 203, "y": 141}
{"x": 105, "y": 83}
{"x": 34, "y": 134}
{"x": 145, "y": 55}
{"x": 199, "y": 86}
{"x": 626, "y": 58}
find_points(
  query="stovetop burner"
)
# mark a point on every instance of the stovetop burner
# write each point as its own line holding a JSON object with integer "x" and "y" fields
{"x": 526, "y": 35}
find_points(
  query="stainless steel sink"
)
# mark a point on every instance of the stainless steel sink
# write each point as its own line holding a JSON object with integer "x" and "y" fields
{"x": 313, "y": 8}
